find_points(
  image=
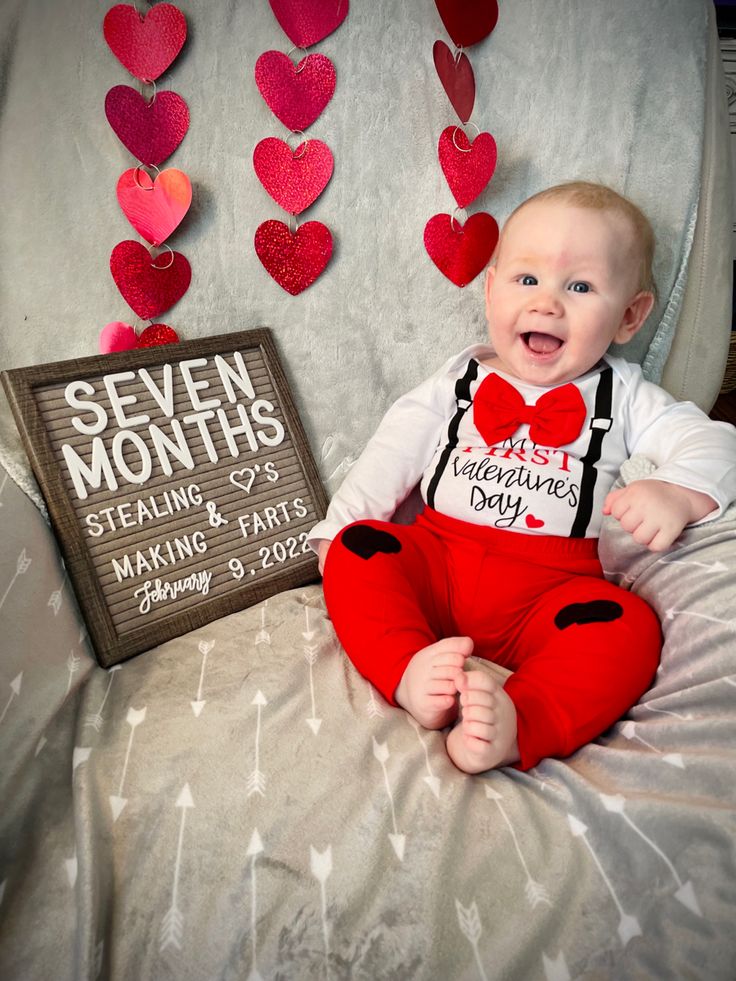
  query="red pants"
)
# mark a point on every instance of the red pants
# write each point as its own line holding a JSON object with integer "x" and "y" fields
{"x": 582, "y": 650}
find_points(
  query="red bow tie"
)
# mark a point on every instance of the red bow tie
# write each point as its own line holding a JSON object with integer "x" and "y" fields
{"x": 555, "y": 420}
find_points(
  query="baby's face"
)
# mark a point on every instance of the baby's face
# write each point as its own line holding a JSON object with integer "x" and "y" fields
{"x": 564, "y": 286}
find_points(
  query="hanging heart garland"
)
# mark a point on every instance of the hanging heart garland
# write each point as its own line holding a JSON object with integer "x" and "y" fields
{"x": 461, "y": 250}
{"x": 155, "y": 208}
{"x": 151, "y": 129}
{"x": 147, "y": 45}
{"x": 293, "y": 178}
{"x": 297, "y": 94}
{"x": 468, "y": 167}
{"x": 306, "y": 22}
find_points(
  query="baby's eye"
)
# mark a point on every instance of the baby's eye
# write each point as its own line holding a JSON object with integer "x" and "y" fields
{"x": 528, "y": 280}
{"x": 580, "y": 287}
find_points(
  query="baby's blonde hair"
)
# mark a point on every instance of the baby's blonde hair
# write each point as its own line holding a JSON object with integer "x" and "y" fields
{"x": 598, "y": 197}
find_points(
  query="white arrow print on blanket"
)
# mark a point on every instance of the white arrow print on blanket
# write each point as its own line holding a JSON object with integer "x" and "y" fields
{"x": 21, "y": 568}
{"x": 256, "y": 782}
{"x": 470, "y": 925}
{"x": 118, "y": 802}
{"x": 398, "y": 841}
{"x": 685, "y": 892}
{"x": 373, "y": 706}
{"x": 628, "y": 731}
{"x": 254, "y": 850}
{"x": 15, "y": 686}
{"x": 172, "y": 925}
{"x": 433, "y": 782}
{"x": 263, "y": 636}
{"x": 198, "y": 704}
{"x": 310, "y": 655}
{"x": 55, "y": 599}
{"x": 534, "y": 891}
{"x": 321, "y": 866}
{"x": 628, "y": 926}
{"x": 95, "y": 720}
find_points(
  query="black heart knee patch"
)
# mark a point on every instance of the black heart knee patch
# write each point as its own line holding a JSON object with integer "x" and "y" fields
{"x": 597, "y": 611}
{"x": 365, "y": 542}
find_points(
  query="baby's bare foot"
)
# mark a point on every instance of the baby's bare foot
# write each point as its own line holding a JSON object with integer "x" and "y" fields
{"x": 428, "y": 690}
{"x": 485, "y": 735}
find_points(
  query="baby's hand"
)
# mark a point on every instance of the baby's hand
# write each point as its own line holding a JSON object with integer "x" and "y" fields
{"x": 655, "y": 512}
{"x": 323, "y": 548}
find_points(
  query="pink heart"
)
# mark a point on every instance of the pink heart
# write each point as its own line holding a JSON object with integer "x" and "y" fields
{"x": 460, "y": 252}
{"x": 293, "y": 259}
{"x": 295, "y": 94}
{"x": 146, "y": 45}
{"x": 150, "y": 130}
{"x": 149, "y": 286}
{"x": 294, "y": 179}
{"x": 119, "y": 336}
{"x": 307, "y": 22}
{"x": 467, "y": 166}
{"x": 468, "y": 22}
{"x": 457, "y": 79}
{"x": 154, "y": 208}
{"x": 532, "y": 522}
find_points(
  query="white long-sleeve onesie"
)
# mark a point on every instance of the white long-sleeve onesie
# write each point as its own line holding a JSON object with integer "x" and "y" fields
{"x": 428, "y": 437}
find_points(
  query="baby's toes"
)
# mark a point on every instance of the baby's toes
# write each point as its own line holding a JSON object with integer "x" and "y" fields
{"x": 477, "y": 729}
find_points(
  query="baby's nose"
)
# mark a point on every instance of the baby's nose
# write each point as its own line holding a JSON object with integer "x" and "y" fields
{"x": 545, "y": 302}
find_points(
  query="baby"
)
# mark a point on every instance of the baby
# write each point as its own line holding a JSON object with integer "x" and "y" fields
{"x": 516, "y": 446}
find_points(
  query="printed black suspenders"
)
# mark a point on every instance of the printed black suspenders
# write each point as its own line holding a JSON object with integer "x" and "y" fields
{"x": 462, "y": 395}
{"x": 599, "y": 425}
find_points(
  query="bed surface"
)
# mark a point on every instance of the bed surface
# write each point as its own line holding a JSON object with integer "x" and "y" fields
{"x": 241, "y": 803}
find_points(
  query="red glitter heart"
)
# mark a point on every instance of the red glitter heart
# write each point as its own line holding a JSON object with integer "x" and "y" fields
{"x": 154, "y": 208}
{"x": 295, "y": 94}
{"x": 150, "y": 130}
{"x": 146, "y": 45}
{"x": 294, "y": 260}
{"x": 157, "y": 334}
{"x": 460, "y": 252}
{"x": 468, "y": 22}
{"x": 294, "y": 179}
{"x": 149, "y": 286}
{"x": 458, "y": 80}
{"x": 307, "y": 22}
{"x": 467, "y": 166}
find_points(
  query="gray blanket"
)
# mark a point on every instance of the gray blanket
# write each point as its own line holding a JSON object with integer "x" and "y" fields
{"x": 240, "y": 803}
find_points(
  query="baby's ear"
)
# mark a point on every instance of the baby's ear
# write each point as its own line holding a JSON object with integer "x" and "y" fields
{"x": 634, "y": 316}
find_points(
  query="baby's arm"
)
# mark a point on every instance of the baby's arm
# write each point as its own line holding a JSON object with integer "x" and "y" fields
{"x": 322, "y": 545}
{"x": 655, "y": 511}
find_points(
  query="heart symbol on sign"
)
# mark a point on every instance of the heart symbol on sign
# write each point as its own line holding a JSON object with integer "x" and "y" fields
{"x": 148, "y": 287}
{"x": 467, "y": 166}
{"x": 460, "y": 252}
{"x": 244, "y": 486}
{"x": 293, "y": 259}
{"x": 295, "y": 94}
{"x": 532, "y": 522}
{"x": 294, "y": 179}
{"x": 119, "y": 336}
{"x": 458, "y": 80}
{"x": 150, "y": 130}
{"x": 155, "y": 208}
{"x": 146, "y": 45}
{"x": 307, "y": 22}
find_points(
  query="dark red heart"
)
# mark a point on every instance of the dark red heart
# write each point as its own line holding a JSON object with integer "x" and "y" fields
{"x": 295, "y": 94}
{"x": 294, "y": 179}
{"x": 460, "y": 252}
{"x": 149, "y": 286}
{"x": 307, "y": 22}
{"x": 150, "y": 130}
{"x": 458, "y": 80}
{"x": 468, "y": 21}
{"x": 467, "y": 166}
{"x": 146, "y": 45}
{"x": 293, "y": 259}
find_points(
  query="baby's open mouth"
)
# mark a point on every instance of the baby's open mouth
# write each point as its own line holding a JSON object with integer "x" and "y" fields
{"x": 541, "y": 343}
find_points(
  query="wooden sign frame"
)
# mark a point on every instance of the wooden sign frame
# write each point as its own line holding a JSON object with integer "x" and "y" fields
{"x": 94, "y": 427}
